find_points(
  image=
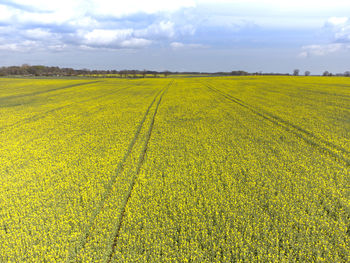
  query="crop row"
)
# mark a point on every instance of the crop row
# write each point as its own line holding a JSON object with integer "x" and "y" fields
{"x": 336, "y": 151}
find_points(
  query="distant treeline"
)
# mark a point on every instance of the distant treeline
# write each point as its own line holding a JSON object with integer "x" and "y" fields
{"x": 27, "y": 70}
{"x": 39, "y": 70}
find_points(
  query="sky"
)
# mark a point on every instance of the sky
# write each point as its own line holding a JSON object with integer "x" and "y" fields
{"x": 182, "y": 35}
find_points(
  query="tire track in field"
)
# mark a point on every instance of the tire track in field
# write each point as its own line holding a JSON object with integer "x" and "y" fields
{"x": 310, "y": 138}
{"x": 116, "y": 230}
{"x": 66, "y": 106}
{"x": 74, "y": 251}
{"x": 43, "y": 115}
{"x": 296, "y": 127}
{"x": 45, "y": 91}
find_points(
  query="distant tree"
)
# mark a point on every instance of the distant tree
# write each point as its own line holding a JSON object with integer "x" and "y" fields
{"x": 326, "y": 73}
{"x": 166, "y": 73}
{"x": 307, "y": 73}
{"x": 296, "y": 72}
{"x": 155, "y": 74}
{"x": 3, "y": 71}
{"x": 347, "y": 73}
{"x": 237, "y": 73}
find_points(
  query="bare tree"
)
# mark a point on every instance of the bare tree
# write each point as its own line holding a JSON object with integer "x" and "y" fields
{"x": 326, "y": 73}
{"x": 347, "y": 73}
{"x": 296, "y": 72}
{"x": 307, "y": 73}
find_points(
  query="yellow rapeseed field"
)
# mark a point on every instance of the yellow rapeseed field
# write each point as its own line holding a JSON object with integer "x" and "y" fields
{"x": 185, "y": 169}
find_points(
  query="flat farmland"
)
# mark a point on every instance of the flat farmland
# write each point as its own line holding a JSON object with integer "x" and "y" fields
{"x": 197, "y": 169}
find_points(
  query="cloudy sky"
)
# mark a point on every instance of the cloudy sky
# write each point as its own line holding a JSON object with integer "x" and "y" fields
{"x": 181, "y": 35}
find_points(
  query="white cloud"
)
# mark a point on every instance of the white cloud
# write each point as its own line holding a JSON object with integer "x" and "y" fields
{"x": 235, "y": 23}
{"x": 24, "y": 46}
{"x": 10, "y": 47}
{"x": 336, "y": 21}
{"x": 179, "y": 45}
{"x": 124, "y": 8}
{"x": 90, "y": 23}
{"x": 71, "y": 9}
{"x": 6, "y": 30}
{"x": 44, "y": 5}
{"x": 84, "y": 22}
{"x": 123, "y": 38}
{"x": 322, "y": 50}
{"x": 107, "y": 37}
{"x": 5, "y": 13}
{"x": 137, "y": 23}
{"x": 39, "y": 33}
{"x": 58, "y": 47}
{"x": 121, "y": 8}
{"x": 340, "y": 27}
{"x": 135, "y": 43}
{"x": 57, "y": 17}
{"x": 162, "y": 29}
{"x": 283, "y": 5}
